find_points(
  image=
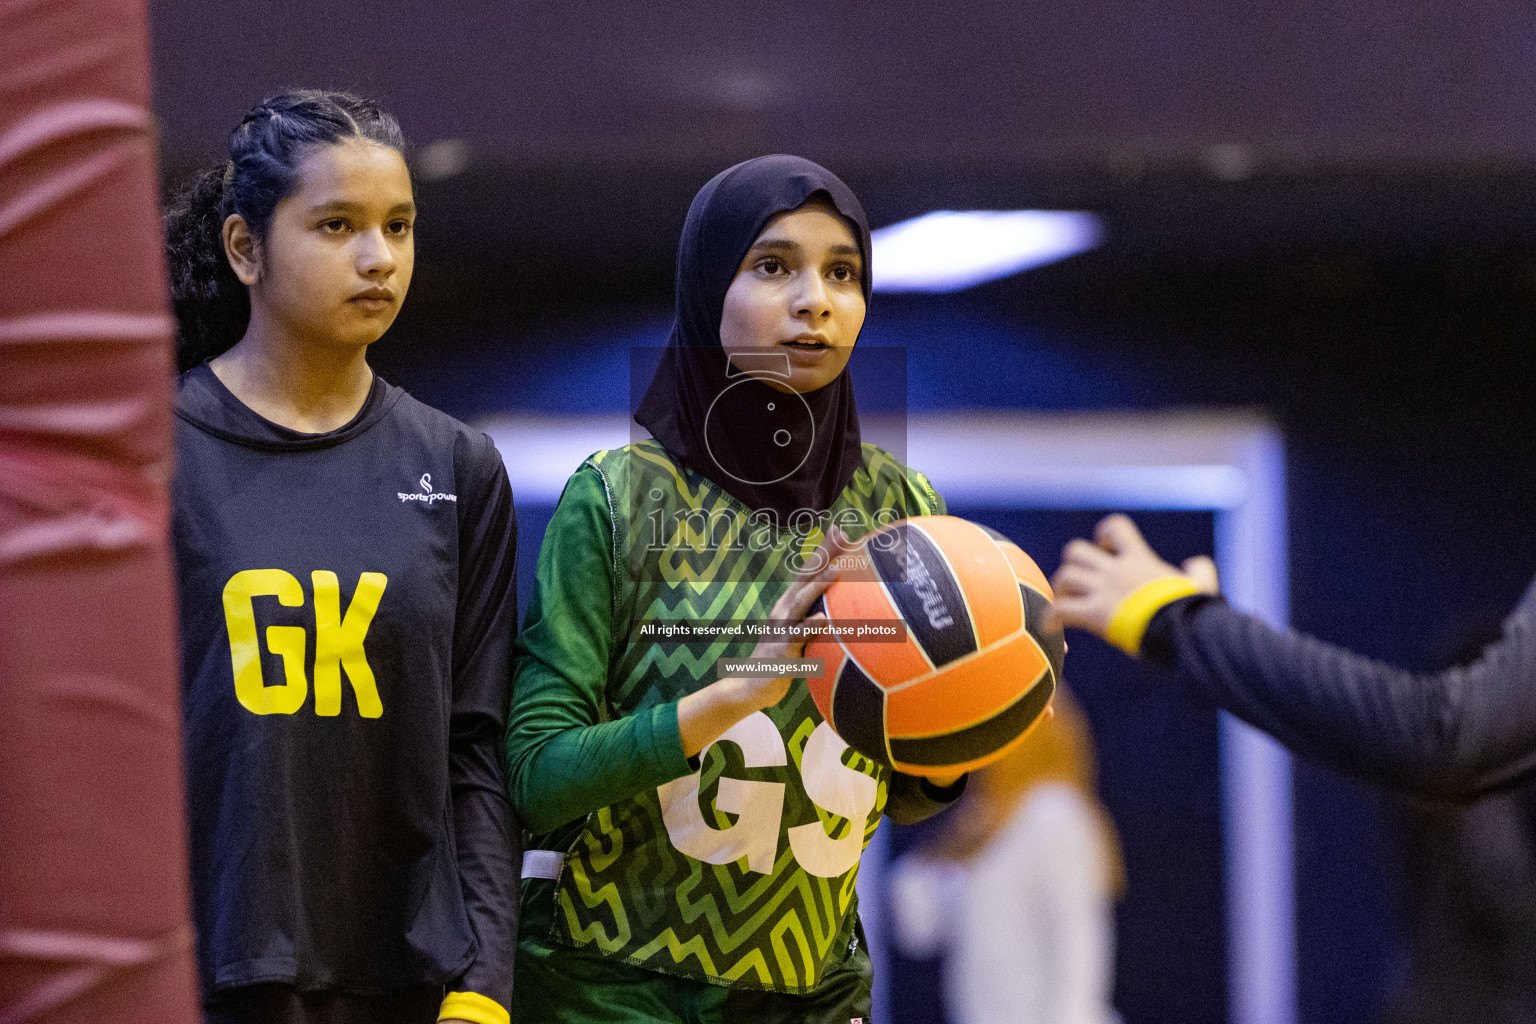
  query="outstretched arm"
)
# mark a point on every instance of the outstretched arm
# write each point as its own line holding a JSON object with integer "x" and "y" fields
{"x": 1447, "y": 734}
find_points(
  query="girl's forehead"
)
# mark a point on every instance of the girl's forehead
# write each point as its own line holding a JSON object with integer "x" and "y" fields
{"x": 355, "y": 168}
{"x": 813, "y": 222}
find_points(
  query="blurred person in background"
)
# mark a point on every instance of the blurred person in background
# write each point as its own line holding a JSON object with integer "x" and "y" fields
{"x": 352, "y": 842}
{"x": 1017, "y": 890}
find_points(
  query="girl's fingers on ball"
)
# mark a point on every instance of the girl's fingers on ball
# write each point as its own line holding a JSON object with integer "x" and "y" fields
{"x": 823, "y": 562}
{"x": 792, "y": 606}
{"x": 832, "y": 545}
{"x": 820, "y": 573}
{"x": 816, "y": 587}
{"x": 797, "y": 600}
{"x": 811, "y": 626}
{"x": 841, "y": 549}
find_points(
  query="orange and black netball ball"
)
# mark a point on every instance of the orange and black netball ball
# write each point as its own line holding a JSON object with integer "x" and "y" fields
{"x": 968, "y": 666}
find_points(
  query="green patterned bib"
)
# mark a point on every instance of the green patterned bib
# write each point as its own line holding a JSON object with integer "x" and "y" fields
{"x": 743, "y": 873}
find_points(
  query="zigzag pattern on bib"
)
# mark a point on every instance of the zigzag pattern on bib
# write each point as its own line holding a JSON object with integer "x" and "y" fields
{"x": 627, "y": 892}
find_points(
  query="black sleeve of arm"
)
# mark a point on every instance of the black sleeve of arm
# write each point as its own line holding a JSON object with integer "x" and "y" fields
{"x": 485, "y": 828}
{"x": 1450, "y": 734}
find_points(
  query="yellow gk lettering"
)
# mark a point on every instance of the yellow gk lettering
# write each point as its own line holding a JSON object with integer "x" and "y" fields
{"x": 339, "y": 642}
{"x": 286, "y": 641}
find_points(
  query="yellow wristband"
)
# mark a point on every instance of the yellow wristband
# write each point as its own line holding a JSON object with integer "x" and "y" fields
{"x": 1128, "y": 624}
{"x": 472, "y": 1006}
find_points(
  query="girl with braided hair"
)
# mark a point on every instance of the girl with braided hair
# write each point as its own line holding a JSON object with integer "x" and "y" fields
{"x": 345, "y": 562}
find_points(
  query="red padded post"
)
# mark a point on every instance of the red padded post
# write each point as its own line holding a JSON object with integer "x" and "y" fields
{"x": 93, "y": 894}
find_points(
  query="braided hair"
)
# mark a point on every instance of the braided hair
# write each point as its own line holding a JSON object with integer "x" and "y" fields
{"x": 212, "y": 307}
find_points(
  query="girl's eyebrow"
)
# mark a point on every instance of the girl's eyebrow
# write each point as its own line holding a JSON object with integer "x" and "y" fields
{"x": 347, "y": 206}
{"x": 787, "y": 245}
{"x": 775, "y": 245}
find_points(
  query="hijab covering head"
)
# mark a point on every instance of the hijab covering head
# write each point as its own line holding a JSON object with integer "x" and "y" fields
{"x": 767, "y": 448}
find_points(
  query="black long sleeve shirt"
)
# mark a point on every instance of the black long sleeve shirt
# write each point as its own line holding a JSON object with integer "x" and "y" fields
{"x": 348, "y": 609}
{"x": 1450, "y": 734}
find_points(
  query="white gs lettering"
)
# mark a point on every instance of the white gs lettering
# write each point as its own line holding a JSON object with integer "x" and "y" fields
{"x": 829, "y": 783}
{"x": 833, "y": 786}
{"x": 760, "y": 805}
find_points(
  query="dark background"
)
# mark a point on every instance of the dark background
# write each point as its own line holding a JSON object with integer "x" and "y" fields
{"x": 1324, "y": 210}
{"x": 1159, "y": 774}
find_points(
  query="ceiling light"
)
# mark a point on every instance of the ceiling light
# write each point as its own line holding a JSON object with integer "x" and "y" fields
{"x": 948, "y": 250}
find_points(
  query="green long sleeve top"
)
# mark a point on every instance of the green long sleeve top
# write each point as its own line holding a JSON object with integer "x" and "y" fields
{"x": 566, "y": 757}
{"x": 703, "y": 869}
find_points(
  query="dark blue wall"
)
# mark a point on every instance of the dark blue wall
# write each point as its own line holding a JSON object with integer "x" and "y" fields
{"x": 1410, "y": 441}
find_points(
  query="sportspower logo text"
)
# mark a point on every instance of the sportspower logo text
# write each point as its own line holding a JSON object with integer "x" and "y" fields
{"x": 427, "y": 494}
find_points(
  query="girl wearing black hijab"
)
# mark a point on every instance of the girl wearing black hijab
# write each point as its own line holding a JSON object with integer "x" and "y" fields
{"x": 695, "y": 838}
